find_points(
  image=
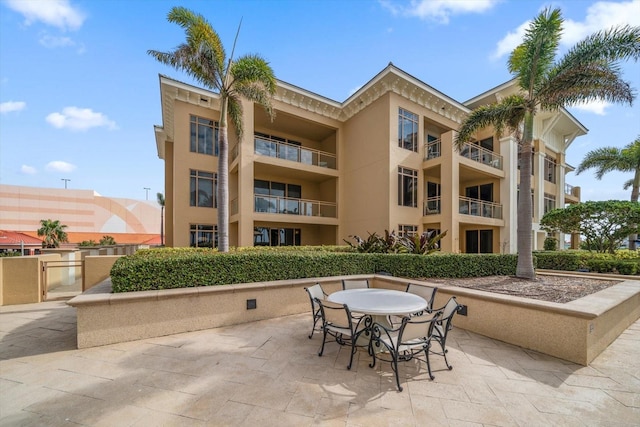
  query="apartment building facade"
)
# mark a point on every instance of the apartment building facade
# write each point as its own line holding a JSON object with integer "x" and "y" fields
{"x": 383, "y": 159}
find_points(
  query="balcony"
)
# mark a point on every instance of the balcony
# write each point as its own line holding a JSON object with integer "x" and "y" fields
{"x": 294, "y": 153}
{"x": 571, "y": 194}
{"x": 432, "y": 206}
{"x": 481, "y": 155}
{"x": 476, "y": 207}
{"x": 433, "y": 149}
{"x": 289, "y": 206}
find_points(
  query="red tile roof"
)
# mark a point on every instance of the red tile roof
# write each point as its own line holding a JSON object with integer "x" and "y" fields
{"x": 16, "y": 238}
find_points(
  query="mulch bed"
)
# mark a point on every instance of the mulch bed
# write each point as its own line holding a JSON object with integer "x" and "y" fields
{"x": 559, "y": 289}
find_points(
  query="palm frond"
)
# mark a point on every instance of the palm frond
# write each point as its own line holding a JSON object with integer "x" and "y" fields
{"x": 199, "y": 31}
{"x": 533, "y": 58}
{"x": 582, "y": 83}
{"x": 603, "y": 160}
{"x": 234, "y": 113}
{"x": 628, "y": 184}
{"x": 507, "y": 114}
{"x": 254, "y": 79}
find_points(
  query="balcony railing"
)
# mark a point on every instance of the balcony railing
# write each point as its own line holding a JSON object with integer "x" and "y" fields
{"x": 295, "y": 153}
{"x": 433, "y": 149}
{"x": 572, "y": 191}
{"x": 432, "y": 206}
{"x": 475, "y": 207}
{"x": 289, "y": 206}
{"x": 481, "y": 155}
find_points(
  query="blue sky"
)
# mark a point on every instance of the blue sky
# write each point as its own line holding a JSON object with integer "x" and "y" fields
{"x": 79, "y": 95}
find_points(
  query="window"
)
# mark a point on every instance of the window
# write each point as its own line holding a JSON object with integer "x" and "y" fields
{"x": 479, "y": 241}
{"x": 204, "y": 136}
{"x": 407, "y": 230}
{"x": 550, "y": 169}
{"x": 265, "y": 236}
{"x": 480, "y": 192}
{"x": 549, "y": 202}
{"x": 278, "y": 197}
{"x": 433, "y": 198}
{"x": 407, "y": 130}
{"x": 203, "y": 236}
{"x": 407, "y": 187}
{"x": 204, "y": 188}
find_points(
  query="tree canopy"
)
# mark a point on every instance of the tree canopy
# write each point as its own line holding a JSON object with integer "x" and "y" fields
{"x": 603, "y": 224}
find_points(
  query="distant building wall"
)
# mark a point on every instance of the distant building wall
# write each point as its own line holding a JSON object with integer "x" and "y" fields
{"x": 22, "y": 208}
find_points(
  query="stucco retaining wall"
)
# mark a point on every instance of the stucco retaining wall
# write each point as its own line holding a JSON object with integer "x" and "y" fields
{"x": 577, "y": 331}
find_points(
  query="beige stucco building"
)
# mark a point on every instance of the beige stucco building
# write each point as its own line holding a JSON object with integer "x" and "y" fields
{"x": 381, "y": 160}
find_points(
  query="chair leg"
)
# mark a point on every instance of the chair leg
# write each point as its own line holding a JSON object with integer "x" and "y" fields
{"x": 313, "y": 329}
{"x": 353, "y": 351}
{"x": 324, "y": 339}
{"x": 426, "y": 353}
{"x": 394, "y": 366}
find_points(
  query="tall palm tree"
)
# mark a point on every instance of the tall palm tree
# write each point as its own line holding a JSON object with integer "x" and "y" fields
{"x": 160, "y": 198}
{"x": 608, "y": 159}
{"x": 203, "y": 57}
{"x": 588, "y": 71}
{"x": 53, "y": 233}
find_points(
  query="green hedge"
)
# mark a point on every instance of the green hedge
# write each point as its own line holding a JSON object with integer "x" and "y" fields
{"x": 179, "y": 268}
{"x": 622, "y": 262}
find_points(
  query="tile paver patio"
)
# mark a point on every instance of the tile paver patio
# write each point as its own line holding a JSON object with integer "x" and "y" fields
{"x": 268, "y": 373}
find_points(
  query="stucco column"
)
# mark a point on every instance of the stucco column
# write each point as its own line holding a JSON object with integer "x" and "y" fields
{"x": 509, "y": 195}
{"x": 449, "y": 194}
{"x": 246, "y": 155}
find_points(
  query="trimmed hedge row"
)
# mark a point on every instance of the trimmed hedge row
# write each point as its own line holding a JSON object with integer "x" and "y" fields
{"x": 179, "y": 268}
{"x": 622, "y": 263}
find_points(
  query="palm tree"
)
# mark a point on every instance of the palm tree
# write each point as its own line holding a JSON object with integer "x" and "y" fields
{"x": 607, "y": 159}
{"x": 160, "y": 197}
{"x": 53, "y": 233}
{"x": 203, "y": 57}
{"x": 587, "y": 72}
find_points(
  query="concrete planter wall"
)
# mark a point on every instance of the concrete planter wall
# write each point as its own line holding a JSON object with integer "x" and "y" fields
{"x": 577, "y": 331}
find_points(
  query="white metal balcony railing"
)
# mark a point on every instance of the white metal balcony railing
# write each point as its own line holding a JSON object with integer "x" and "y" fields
{"x": 289, "y": 206}
{"x": 475, "y": 207}
{"x": 481, "y": 155}
{"x": 295, "y": 153}
{"x": 570, "y": 190}
{"x": 432, "y": 149}
{"x": 432, "y": 206}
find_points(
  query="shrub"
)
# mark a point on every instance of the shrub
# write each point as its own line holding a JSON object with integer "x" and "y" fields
{"x": 177, "y": 268}
{"x": 550, "y": 244}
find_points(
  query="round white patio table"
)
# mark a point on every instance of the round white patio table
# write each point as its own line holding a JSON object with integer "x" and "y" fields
{"x": 379, "y": 302}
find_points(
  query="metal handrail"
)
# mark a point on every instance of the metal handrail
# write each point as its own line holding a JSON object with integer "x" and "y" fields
{"x": 432, "y": 206}
{"x": 481, "y": 155}
{"x": 477, "y": 207}
{"x": 292, "y": 206}
{"x": 296, "y": 153}
{"x": 433, "y": 149}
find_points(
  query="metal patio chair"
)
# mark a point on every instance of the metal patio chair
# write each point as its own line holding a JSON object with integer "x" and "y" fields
{"x": 443, "y": 326}
{"x": 355, "y": 284}
{"x": 338, "y": 322}
{"x": 315, "y": 292}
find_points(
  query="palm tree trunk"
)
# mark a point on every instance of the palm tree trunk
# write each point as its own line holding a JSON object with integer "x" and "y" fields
{"x": 223, "y": 179}
{"x": 162, "y": 226}
{"x": 525, "y": 268}
{"x": 635, "y": 192}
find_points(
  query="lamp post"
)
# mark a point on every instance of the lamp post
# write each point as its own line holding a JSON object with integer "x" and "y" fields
{"x": 65, "y": 182}
{"x": 146, "y": 189}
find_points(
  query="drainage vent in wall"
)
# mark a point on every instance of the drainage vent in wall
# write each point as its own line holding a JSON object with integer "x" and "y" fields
{"x": 251, "y": 304}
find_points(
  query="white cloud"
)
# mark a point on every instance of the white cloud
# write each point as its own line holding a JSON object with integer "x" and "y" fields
{"x": 9, "y": 106}
{"x": 58, "y": 13}
{"x": 510, "y": 41}
{"x": 600, "y": 16}
{"x": 59, "y": 166}
{"x": 49, "y": 41}
{"x": 79, "y": 119}
{"x": 595, "y": 107}
{"x": 439, "y": 10}
{"x": 29, "y": 170}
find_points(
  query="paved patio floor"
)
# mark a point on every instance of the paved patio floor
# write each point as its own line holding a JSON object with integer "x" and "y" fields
{"x": 268, "y": 373}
